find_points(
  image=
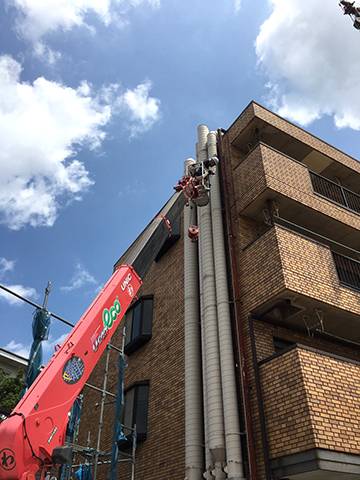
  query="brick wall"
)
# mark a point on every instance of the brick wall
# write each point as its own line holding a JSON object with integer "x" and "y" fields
{"x": 256, "y": 110}
{"x": 241, "y": 122}
{"x": 333, "y": 391}
{"x": 266, "y": 168}
{"x": 308, "y": 269}
{"x": 287, "y": 412}
{"x": 282, "y": 260}
{"x": 261, "y": 272}
{"x": 249, "y": 178}
{"x": 311, "y": 400}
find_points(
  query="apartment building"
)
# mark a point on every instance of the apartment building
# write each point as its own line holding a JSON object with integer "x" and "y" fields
{"x": 12, "y": 363}
{"x": 243, "y": 348}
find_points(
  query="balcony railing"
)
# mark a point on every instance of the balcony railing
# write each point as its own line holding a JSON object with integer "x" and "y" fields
{"x": 348, "y": 270}
{"x": 335, "y": 192}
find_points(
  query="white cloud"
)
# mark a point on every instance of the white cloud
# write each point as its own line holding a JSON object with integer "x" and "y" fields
{"x": 309, "y": 53}
{"x": 41, "y": 124}
{"x": 36, "y": 18}
{"x": 27, "y": 292}
{"x": 237, "y": 5}
{"x": 136, "y": 188}
{"x": 143, "y": 110}
{"x": 48, "y": 347}
{"x": 80, "y": 278}
{"x": 44, "y": 52}
{"x": 18, "y": 348}
{"x": 6, "y": 266}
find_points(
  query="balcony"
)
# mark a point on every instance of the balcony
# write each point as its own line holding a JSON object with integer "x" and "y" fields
{"x": 297, "y": 195}
{"x": 335, "y": 192}
{"x": 259, "y": 124}
{"x": 312, "y": 406}
{"x": 284, "y": 265}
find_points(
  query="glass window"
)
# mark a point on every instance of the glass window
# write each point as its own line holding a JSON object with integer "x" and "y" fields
{"x": 128, "y": 411}
{"x": 142, "y": 409}
{"x": 138, "y": 323}
{"x": 136, "y": 318}
{"x": 135, "y": 412}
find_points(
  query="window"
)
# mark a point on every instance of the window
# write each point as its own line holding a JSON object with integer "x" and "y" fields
{"x": 174, "y": 237}
{"x": 138, "y": 323}
{"x": 135, "y": 412}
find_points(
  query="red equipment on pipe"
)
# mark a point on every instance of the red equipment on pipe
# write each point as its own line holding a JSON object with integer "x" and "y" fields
{"x": 193, "y": 233}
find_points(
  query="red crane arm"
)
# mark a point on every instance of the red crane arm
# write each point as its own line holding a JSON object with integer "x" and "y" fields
{"x": 38, "y": 423}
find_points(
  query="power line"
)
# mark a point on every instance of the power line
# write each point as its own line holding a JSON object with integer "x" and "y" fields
{"x": 34, "y": 305}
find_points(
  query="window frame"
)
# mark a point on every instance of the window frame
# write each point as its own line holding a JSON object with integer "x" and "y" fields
{"x": 140, "y": 436}
{"x": 172, "y": 239}
{"x": 142, "y": 337}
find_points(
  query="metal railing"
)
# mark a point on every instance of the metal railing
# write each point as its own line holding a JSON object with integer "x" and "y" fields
{"x": 335, "y": 192}
{"x": 348, "y": 270}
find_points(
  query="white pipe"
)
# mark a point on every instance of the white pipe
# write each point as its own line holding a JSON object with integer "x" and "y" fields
{"x": 194, "y": 450}
{"x": 212, "y": 380}
{"x": 209, "y": 464}
{"x": 201, "y": 150}
{"x": 228, "y": 377}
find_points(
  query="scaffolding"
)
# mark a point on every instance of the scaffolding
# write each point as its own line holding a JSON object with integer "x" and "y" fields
{"x": 93, "y": 457}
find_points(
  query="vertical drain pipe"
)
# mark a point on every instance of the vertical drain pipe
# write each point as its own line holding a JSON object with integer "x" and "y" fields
{"x": 228, "y": 377}
{"x": 209, "y": 464}
{"x": 209, "y": 323}
{"x": 264, "y": 439}
{"x": 193, "y": 392}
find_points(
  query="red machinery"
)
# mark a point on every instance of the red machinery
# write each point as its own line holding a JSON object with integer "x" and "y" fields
{"x": 33, "y": 436}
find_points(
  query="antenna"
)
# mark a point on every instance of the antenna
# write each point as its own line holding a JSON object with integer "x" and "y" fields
{"x": 47, "y": 293}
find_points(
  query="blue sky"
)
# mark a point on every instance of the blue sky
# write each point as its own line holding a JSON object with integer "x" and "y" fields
{"x": 99, "y": 105}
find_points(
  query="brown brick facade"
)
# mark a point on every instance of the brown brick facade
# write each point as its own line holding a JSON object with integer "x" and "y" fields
{"x": 257, "y": 111}
{"x": 265, "y": 168}
{"x": 282, "y": 260}
{"x": 278, "y": 263}
{"x": 311, "y": 400}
